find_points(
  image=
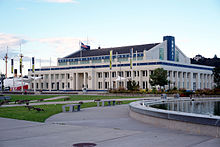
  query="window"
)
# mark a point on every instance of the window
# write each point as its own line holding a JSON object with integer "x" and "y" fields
{"x": 194, "y": 75}
{"x": 37, "y": 85}
{"x": 106, "y": 85}
{"x": 62, "y": 76}
{"x": 113, "y": 74}
{"x": 63, "y": 85}
{"x": 32, "y": 85}
{"x": 97, "y": 61}
{"x": 99, "y": 85}
{"x": 144, "y": 73}
{"x": 47, "y": 85}
{"x": 68, "y": 85}
{"x": 57, "y": 76}
{"x": 42, "y": 85}
{"x": 84, "y": 62}
{"x": 99, "y": 75}
{"x": 74, "y": 63}
{"x": 161, "y": 54}
{"x": 128, "y": 74}
{"x": 46, "y": 76}
{"x": 53, "y": 85}
{"x": 106, "y": 74}
{"x": 120, "y": 73}
{"x": 62, "y": 63}
{"x": 138, "y": 73}
{"x": 52, "y": 76}
{"x": 68, "y": 76}
{"x": 177, "y": 56}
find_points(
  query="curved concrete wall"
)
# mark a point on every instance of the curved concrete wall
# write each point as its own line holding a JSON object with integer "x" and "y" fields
{"x": 188, "y": 122}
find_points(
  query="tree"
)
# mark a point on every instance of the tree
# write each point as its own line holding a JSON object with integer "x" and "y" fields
{"x": 132, "y": 85}
{"x": 216, "y": 73}
{"x": 159, "y": 77}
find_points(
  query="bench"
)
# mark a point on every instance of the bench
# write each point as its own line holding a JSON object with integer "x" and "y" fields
{"x": 5, "y": 97}
{"x": 71, "y": 107}
{"x": 108, "y": 101}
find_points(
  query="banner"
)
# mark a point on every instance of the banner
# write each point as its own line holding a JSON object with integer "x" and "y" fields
{"x": 21, "y": 65}
{"x": 12, "y": 66}
{"x": 110, "y": 65}
{"x": 32, "y": 64}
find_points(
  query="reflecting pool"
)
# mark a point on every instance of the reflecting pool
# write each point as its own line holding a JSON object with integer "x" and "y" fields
{"x": 209, "y": 107}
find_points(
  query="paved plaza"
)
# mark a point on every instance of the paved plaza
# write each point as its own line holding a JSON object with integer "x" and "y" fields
{"x": 104, "y": 126}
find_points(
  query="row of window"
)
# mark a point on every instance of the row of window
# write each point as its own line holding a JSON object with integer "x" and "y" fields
{"x": 53, "y": 86}
{"x": 98, "y": 61}
{"x": 121, "y": 74}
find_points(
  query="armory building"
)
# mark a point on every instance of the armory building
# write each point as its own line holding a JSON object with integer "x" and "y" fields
{"x": 90, "y": 69}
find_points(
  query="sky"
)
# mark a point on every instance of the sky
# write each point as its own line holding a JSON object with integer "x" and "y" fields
{"x": 51, "y": 29}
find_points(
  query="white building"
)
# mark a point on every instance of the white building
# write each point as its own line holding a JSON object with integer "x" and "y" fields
{"x": 90, "y": 68}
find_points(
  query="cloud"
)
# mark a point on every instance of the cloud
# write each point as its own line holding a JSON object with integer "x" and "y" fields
{"x": 60, "y": 1}
{"x": 12, "y": 42}
{"x": 63, "y": 45}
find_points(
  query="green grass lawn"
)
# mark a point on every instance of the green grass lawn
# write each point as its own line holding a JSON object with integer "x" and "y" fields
{"x": 30, "y": 97}
{"x": 23, "y": 113}
{"x": 90, "y": 97}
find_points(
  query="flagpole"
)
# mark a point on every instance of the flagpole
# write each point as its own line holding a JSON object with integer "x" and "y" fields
{"x": 33, "y": 69}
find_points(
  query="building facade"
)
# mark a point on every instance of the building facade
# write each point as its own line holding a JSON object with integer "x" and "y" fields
{"x": 90, "y": 69}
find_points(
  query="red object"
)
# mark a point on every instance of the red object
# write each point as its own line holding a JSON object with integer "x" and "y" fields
{"x": 25, "y": 87}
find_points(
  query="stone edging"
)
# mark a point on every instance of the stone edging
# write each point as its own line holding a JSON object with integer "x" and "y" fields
{"x": 192, "y": 123}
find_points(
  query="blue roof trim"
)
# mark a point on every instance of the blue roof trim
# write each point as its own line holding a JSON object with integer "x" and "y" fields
{"x": 114, "y": 65}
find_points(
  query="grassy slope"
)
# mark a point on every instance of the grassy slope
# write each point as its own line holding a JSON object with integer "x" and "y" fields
{"x": 91, "y": 97}
{"x": 30, "y": 97}
{"x": 23, "y": 113}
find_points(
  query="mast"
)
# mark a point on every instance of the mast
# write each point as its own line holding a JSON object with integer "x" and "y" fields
{"x": 21, "y": 66}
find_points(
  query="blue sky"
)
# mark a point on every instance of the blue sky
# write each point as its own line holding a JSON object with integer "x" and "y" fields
{"x": 52, "y": 28}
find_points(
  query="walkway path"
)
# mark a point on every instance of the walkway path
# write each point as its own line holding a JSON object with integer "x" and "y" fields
{"x": 104, "y": 126}
{"x": 84, "y": 101}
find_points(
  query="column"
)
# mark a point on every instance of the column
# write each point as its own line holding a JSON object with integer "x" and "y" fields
{"x": 205, "y": 81}
{"x": 202, "y": 81}
{"x": 185, "y": 80}
{"x": 198, "y": 81}
{"x": 176, "y": 79}
{"x": 148, "y": 79}
{"x": 74, "y": 81}
{"x": 49, "y": 83}
{"x": 65, "y": 81}
{"x": 209, "y": 81}
{"x": 140, "y": 79}
{"x": 103, "y": 80}
{"x": 171, "y": 79}
{"x": 77, "y": 81}
{"x": 84, "y": 80}
{"x": 181, "y": 80}
{"x": 191, "y": 81}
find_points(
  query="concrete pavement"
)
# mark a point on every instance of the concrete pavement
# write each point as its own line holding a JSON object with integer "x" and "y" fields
{"x": 105, "y": 126}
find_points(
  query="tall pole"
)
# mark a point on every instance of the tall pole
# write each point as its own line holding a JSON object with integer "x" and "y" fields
{"x": 21, "y": 66}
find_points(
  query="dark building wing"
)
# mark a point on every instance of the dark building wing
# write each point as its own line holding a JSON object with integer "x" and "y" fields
{"x": 105, "y": 51}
